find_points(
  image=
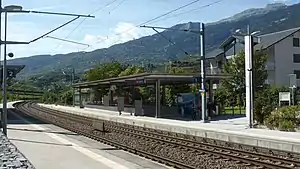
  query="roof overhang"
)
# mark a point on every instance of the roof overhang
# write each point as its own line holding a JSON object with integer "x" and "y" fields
{"x": 15, "y": 69}
{"x": 149, "y": 79}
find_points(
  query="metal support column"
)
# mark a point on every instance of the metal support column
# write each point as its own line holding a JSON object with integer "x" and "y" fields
{"x": 80, "y": 98}
{"x": 4, "y": 81}
{"x": 211, "y": 96}
{"x": 111, "y": 98}
{"x": 248, "y": 81}
{"x": 163, "y": 95}
{"x": 203, "y": 74}
{"x": 2, "y": 114}
{"x": 73, "y": 90}
{"x": 157, "y": 86}
{"x": 133, "y": 94}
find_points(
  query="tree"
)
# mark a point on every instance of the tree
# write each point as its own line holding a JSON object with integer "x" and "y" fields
{"x": 139, "y": 92}
{"x": 234, "y": 87}
{"x": 236, "y": 68}
{"x": 172, "y": 90}
{"x": 131, "y": 70}
{"x": 66, "y": 97}
{"x": 265, "y": 102}
{"x": 104, "y": 71}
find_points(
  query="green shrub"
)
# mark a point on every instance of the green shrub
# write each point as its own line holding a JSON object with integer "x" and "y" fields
{"x": 286, "y": 125}
{"x": 285, "y": 118}
{"x": 273, "y": 120}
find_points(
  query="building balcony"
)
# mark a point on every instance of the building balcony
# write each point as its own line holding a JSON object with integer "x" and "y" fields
{"x": 213, "y": 70}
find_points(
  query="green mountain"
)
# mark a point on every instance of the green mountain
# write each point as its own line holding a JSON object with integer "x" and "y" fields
{"x": 157, "y": 50}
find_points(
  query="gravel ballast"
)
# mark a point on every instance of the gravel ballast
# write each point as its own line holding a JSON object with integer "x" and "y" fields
{"x": 11, "y": 157}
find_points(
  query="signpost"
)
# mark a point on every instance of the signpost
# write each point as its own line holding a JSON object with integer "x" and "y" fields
{"x": 293, "y": 85}
{"x": 12, "y": 71}
{"x": 284, "y": 97}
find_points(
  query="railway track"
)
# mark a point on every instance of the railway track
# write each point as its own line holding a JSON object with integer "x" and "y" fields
{"x": 97, "y": 129}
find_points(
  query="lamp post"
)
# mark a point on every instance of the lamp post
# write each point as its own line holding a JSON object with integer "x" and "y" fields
{"x": 72, "y": 83}
{"x": 201, "y": 33}
{"x": 249, "y": 74}
{"x": 4, "y": 81}
{"x": 73, "y": 70}
{"x": 19, "y": 9}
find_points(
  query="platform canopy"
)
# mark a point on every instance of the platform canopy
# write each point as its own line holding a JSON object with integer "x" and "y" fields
{"x": 12, "y": 71}
{"x": 149, "y": 79}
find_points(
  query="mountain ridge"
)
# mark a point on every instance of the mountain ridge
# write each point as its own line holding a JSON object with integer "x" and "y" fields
{"x": 156, "y": 49}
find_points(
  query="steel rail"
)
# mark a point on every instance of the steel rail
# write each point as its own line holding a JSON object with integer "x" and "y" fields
{"x": 253, "y": 158}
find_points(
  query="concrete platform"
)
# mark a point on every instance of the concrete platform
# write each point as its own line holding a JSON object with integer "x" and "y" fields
{"x": 51, "y": 147}
{"x": 232, "y": 130}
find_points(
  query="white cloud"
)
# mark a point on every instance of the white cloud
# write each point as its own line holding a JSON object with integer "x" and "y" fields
{"x": 26, "y": 31}
{"x": 123, "y": 32}
{"x": 281, "y": 1}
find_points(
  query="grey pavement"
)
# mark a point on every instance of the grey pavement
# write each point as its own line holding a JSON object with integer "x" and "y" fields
{"x": 50, "y": 147}
{"x": 10, "y": 157}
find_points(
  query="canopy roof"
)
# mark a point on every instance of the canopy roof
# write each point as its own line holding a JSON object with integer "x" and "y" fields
{"x": 149, "y": 79}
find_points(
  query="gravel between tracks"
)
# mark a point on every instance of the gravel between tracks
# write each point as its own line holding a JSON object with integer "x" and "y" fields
{"x": 158, "y": 148}
{"x": 175, "y": 153}
{"x": 10, "y": 157}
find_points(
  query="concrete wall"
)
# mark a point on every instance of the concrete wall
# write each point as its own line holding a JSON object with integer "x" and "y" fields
{"x": 280, "y": 62}
{"x": 284, "y": 64}
{"x": 270, "y": 66}
{"x": 149, "y": 110}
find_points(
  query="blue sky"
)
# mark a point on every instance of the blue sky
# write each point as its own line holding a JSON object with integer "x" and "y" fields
{"x": 111, "y": 20}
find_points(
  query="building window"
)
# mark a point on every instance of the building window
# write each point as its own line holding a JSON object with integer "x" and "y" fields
{"x": 297, "y": 72}
{"x": 296, "y": 42}
{"x": 296, "y": 58}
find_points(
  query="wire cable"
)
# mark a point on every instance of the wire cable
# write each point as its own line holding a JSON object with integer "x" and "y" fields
{"x": 190, "y": 11}
{"x": 100, "y": 8}
{"x": 153, "y": 19}
{"x": 78, "y": 43}
{"x": 119, "y": 4}
{"x": 172, "y": 11}
{"x": 170, "y": 41}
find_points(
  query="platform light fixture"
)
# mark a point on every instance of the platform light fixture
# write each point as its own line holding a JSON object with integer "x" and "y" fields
{"x": 19, "y": 9}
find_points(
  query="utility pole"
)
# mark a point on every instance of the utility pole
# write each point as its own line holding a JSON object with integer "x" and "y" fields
{"x": 249, "y": 77}
{"x": 203, "y": 74}
{"x": 73, "y": 90}
{"x": 199, "y": 32}
{"x": 4, "y": 81}
{"x": 19, "y": 9}
{"x": 2, "y": 114}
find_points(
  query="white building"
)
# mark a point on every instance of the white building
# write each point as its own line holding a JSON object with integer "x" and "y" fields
{"x": 283, "y": 50}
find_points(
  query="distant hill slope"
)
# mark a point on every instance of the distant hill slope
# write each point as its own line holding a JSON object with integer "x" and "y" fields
{"x": 155, "y": 49}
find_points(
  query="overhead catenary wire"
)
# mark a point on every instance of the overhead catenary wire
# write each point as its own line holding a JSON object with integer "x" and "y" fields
{"x": 119, "y": 4}
{"x": 189, "y": 11}
{"x": 185, "y": 52}
{"x": 78, "y": 43}
{"x": 153, "y": 19}
{"x": 53, "y": 30}
{"x": 172, "y": 11}
{"x": 80, "y": 23}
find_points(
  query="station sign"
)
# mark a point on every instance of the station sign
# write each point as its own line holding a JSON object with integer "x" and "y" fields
{"x": 140, "y": 81}
{"x": 12, "y": 71}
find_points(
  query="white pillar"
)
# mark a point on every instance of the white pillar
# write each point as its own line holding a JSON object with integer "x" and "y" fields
{"x": 248, "y": 80}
